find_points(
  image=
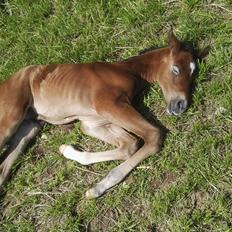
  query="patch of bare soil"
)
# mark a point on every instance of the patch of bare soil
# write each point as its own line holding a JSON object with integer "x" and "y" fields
{"x": 167, "y": 180}
{"x": 196, "y": 201}
{"x": 105, "y": 220}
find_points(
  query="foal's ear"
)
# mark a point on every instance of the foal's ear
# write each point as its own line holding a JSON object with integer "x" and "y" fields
{"x": 203, "y": 52}
{"x": 173, "y": 42}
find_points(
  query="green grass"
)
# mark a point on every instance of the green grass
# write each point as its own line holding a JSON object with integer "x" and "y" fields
{"x": 187, "y": 186}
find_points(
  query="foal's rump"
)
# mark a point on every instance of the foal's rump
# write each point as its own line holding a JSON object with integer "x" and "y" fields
{"x": 15, "y": 100}
{"x": 15, "y": 97}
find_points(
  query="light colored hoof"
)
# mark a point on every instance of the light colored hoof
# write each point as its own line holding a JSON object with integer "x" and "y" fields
{"x": 66, "y": 150}
{"x": 92, "y": 193}
{"x": 62, "y": 148}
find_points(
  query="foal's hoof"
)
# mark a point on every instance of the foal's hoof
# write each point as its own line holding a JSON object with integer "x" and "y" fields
{"x": 66, "y": 150}
{"x": 92, "y": 193}
{"x": 62, "y": 148}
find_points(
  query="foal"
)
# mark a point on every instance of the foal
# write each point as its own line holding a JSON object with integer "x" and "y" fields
{"x": 99, "y": 95}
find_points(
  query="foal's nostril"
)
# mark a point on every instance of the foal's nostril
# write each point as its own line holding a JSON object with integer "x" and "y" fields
{"x": 181, "y": 105}
{"x": 177, "y": 106}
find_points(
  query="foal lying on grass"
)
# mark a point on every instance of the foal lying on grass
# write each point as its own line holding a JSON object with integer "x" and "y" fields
{"x": 99, "y": 95}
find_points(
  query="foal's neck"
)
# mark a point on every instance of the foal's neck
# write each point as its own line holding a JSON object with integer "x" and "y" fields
{"x": 148, "y": 65}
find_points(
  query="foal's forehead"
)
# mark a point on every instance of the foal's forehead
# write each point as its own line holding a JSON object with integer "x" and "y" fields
{"x": 183, "y": 57}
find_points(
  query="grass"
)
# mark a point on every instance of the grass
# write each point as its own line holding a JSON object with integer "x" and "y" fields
{"x": 187, "y": 186}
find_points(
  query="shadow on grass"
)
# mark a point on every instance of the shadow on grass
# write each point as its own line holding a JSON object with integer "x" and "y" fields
{"x": 146, "y": 112}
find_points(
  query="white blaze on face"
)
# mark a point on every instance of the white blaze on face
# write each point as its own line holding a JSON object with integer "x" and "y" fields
{"x": 192, "y": 67}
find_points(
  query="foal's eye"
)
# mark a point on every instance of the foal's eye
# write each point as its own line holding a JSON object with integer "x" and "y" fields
{"x": 175, "y": 70}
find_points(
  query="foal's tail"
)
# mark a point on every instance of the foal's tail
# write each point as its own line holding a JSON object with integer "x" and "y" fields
{"x": 15, "y": 99}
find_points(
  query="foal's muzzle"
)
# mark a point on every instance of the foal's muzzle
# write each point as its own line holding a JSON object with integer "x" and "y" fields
{"x": 177, "y": 106}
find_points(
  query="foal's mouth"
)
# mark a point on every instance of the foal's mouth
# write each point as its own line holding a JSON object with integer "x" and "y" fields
{"x": 177, "y": 106}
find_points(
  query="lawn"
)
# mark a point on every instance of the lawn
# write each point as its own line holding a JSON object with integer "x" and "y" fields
{"x": 188, "y": 185}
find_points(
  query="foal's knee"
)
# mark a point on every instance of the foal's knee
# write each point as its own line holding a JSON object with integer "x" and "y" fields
{"x": 129, "y": 147}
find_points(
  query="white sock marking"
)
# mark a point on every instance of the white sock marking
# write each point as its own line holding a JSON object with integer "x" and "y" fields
{"x": 70, "y": 153}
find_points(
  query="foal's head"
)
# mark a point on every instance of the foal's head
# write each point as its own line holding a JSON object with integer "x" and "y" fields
{"x": 175, "y": 77}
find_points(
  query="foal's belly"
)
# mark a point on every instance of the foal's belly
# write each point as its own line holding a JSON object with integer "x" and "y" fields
{"x": 62, "y": 95}
{"x": 61, "y": 112}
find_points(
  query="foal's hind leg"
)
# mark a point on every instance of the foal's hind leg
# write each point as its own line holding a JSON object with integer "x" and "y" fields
{"x": 126, "y": 144}
{"x": 26, "y": 131}
{"x": 125, "y": 115}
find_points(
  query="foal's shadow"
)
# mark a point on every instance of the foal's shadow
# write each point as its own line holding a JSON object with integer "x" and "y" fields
{"x": 138, "y": 103}
{"x": 198, "y": 56}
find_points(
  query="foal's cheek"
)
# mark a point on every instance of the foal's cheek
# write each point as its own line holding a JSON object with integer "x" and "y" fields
{"x": 165, "y": 93}
{"x": 167, "y": 84}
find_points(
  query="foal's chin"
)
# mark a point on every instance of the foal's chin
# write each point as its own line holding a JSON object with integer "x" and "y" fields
{"x": 169, "y": 112}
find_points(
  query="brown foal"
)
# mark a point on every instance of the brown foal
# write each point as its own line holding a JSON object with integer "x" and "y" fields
{"x": 99, "y": 95}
